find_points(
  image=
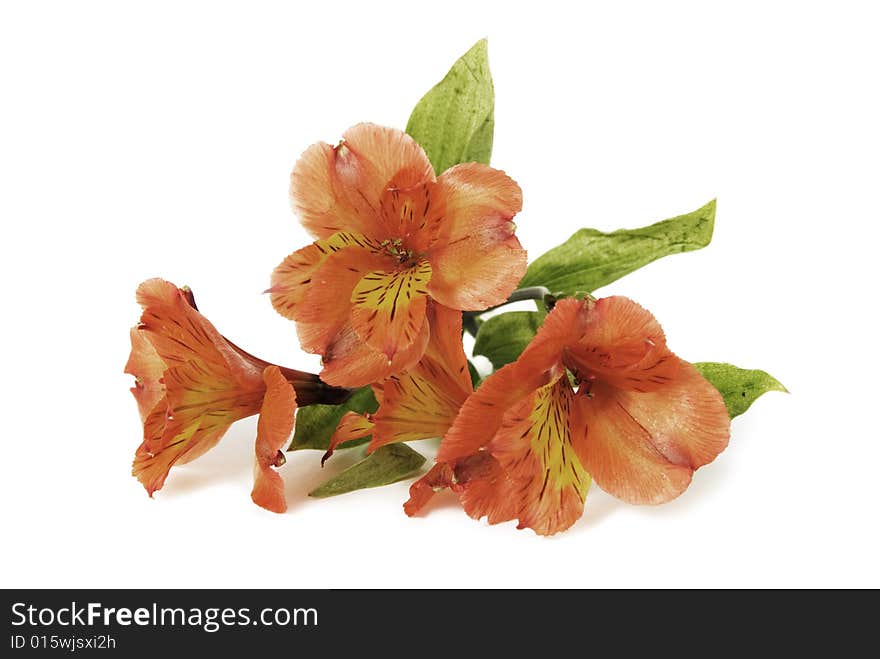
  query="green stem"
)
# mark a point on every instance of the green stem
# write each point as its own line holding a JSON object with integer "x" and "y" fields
{"x": 310, "y": 389}
{"x": 520, "y": 294}
{"x": 469, "y": 323}
{"x": 542, "y": 293}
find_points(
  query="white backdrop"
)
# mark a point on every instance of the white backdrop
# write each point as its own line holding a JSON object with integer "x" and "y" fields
{"x": 145, "y": 139}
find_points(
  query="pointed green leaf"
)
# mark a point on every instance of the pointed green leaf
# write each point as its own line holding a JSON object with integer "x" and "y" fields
{"x": 502, "y": 338}
{"x": 315, "y": 424}
{"x": 383, "y": 466}
{"x": 455, "y": 121}
{"x": 591, "y": 259}
{"x": 739, "y": 387}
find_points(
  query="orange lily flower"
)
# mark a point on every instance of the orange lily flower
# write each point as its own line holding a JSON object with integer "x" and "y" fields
{"x": 422, "y": 402}
{"x": 390, "y": 237}
{"x": 192, "y": 384}
{"x": 597, "y": 395}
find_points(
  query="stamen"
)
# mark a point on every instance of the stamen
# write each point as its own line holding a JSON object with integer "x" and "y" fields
{"x": 396, "y": 249}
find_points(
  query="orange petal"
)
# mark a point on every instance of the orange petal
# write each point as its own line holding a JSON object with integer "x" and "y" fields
{"x": 389, "y": 307}
{"x": 320, "y": 198}
{"x": 439, "y": 477}
{"x": 339, "y": 189}
{"x": 201, "y": 402}
{"x": 325, "y": 307}
{"x": 424, "y": 401}
{"x": 541, "y": 362}
{"x": 273, "y": 429}
{"x": 483, "y": 488}
{"x": 145, "y": 364}
{"x": 621, "y": 454}
{"x": 535, "y": 451}
{"x": 377, "y": 392}
{"x": 481, "y": 415}
{"x": 417, "y": 405}
{"x": 349, "y": 362}
{"x": 686, "y": 418}
{"x": 477, "y": 259}
{"x": 562, "y": 327}
{"x": 445, "y": 345}
{"x": 623, "y": 345}
{"x": 179, "y": 333}
{"x": 197, "y": 392}
{"x": 415, "y": 215}
{"x": 293, "y": 276}
{"x": 352, "y": 426}
{"x": 477, "y": 197}
{"x": 373, "y": 158}
{"x": 188, "y": 423}
{"x": 478, "y": 271}
{"x": 151, "y": 469}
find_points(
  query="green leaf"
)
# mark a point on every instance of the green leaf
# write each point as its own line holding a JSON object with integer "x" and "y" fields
{"x": 455, "y": 121}
{"x": 474, "y": 373}
{"x": 739, "y": 387}
{"x": 591, "y": 259}
{"x": 502, "y": 338}
{"x": 385, "y": 465}
{"x": 315, "y": 424}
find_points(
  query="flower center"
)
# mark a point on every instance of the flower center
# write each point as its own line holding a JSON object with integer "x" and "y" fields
{"x": 580, "y": 379}
{"x": 396, "y": 249}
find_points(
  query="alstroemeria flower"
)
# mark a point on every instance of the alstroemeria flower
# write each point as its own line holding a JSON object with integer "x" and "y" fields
{"x": 192, "y": 384}
{"x": 422, "y": 402}
{"x": 390, "y": 237}
{"x": 596, "y": 394}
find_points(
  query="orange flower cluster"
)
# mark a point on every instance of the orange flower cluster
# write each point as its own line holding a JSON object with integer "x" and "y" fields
{"x": 392, "y": 240}
{"x": 597, "y": 395}
{"x": 399, "y": 254}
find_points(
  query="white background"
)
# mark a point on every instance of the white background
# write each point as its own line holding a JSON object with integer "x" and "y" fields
{"x": 145, "y": 139}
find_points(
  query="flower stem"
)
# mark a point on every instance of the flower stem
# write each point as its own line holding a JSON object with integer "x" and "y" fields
{"x": 310, "y": 389}
{"x": 469, "y": 318}
{"x": 520, "y": 294}
{"x": 469, "y": 323}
